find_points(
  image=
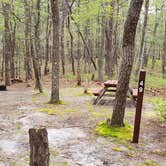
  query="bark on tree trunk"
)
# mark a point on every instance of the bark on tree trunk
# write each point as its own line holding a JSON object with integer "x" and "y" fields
{"x": 64, "y": 14}
{"x": 7, "y": 42}
{"x": 35, "y": 52}
{"x": 39, "y": 151}
{"x": 101, "y": 51}
{"x": 142, "y": 49}
{"x": 127, "y": 62}
{"x": 71, "y": 46}
{"x": 55, "y": 53}
{"x": 27, "y": 59}
{"x": 48, "y": 32}
{"x": 109, "y": 58}
{"x": 164, "y": 56}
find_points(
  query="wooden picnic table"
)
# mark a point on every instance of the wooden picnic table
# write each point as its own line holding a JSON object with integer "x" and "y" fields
{"x": 110, "y": 86}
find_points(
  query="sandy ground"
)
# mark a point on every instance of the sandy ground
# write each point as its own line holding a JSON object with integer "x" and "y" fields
{"x": 72, "y": 140}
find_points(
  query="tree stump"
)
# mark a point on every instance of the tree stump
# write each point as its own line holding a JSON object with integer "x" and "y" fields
{"x": 39, "y": 151}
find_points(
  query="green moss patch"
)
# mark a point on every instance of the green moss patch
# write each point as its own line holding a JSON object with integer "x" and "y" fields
{"x": 52, "y": 111}
{"x": 122, "y": 133}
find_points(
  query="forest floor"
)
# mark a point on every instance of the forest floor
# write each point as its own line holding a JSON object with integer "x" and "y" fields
{"x": 71, "y": 129}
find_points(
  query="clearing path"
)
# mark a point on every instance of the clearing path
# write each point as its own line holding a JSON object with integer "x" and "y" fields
{"x": 70, "y": 127}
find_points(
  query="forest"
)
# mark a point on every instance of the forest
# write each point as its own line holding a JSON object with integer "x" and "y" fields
{"x": 83, "y": 83}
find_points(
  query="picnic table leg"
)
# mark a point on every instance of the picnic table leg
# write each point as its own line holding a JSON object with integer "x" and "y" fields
{"x": 100, "y": 96}
{"x": 132, "y": 97}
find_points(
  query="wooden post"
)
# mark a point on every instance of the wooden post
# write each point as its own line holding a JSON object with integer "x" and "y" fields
{"x": 141, "y": 86}
{"x": 39, "y": 151}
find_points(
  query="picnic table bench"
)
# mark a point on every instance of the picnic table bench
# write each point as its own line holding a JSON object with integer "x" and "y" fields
{"x": 110, "y": 86}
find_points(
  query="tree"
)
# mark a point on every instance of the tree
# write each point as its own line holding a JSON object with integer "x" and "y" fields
{"x": 27, "y": 59}
{"x": 7, "y": 42}
{"x": 109, "y": 58}
{"x": 48, "y": 31}
{"x": 127, "y": 62}
{"x": 164, "y": 55}
{"x": 55, "y": 53}
{"x": 143, "y": 38}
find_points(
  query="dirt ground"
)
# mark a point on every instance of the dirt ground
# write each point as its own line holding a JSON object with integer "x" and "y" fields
{"x": 70, "y": 126}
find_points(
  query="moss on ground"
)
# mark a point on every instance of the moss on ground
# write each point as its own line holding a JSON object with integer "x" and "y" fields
{"x": 148, "y": 163}
{"x": 54, "y": 152}
{"x": 53, "y": 111}
{"x": 34, "y": 99}
{"x": 122, "y": 133}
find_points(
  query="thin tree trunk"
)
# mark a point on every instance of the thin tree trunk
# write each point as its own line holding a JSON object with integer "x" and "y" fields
{"x": 55, "y": 53}
{"x": 7, "y": 42}
{"x": 78, "y": 54}
{"x": 153, "y": 40}
{"x": 116, "y": 38}
{"x": 109, "y": 58}
{"x": 71, "y": 47}
{"x": 27, "y": 58}
{"x": 164, "y": 56}
{"x": 101, "y": 51}
{"x": 64, "y": 14}
{"x": 37, "y": 37}
{"x": 142, "y": 49}
{"x": 35, "y": 53}
{"x": 48, "y": 32}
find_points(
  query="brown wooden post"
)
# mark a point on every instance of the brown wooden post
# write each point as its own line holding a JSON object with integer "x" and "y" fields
{"x": 39, "y": 151}
{"x": 141, "y": 86}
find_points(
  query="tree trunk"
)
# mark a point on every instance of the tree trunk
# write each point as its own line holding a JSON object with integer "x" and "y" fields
{"x": 127, "y": 62}
{"x": 37, "y": 38}
{"x": 64, "y": 14}
{"x": 116, "y": 39}
{"x": 35, "y": 53}
{"x": 7, "y": 42}
{"x": 142, "y": 49}
{"x": 55, "y": 53}
{"x": 39, "y": 151}
{"x": 109, "y": 58}
{"x": 101, "y": 50}
{"x": 13, "y": 41}
{"x": 164, "y": 56}
{"x": 27, "y": 58}
{"x": 71, "y": 46}
{"x": 48, "y": 32}
{"x": 153, "y": 43}
{"x": 78, "y": 53}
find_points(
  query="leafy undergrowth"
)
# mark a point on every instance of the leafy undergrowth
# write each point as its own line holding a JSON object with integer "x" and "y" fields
{"x": 121, "y": 133}
{"x": 160, "y": 107}
{"x": 155, "y": 82}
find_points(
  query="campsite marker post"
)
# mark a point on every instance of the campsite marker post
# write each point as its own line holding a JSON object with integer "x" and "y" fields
{"x": 141, "y": 86}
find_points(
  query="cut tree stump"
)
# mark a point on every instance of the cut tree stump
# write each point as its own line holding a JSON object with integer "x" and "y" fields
{"x": 39, "y": 150}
